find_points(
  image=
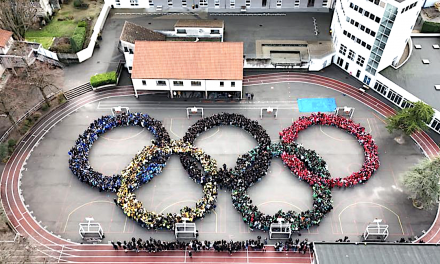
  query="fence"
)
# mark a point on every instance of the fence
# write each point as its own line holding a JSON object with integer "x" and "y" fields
{"x": 88, "y": 52}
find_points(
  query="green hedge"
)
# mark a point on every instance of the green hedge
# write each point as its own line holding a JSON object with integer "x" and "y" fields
{"x": 103, "y": 79}
{"x": 430, "y": 27}
{"x": 78, "y": 38}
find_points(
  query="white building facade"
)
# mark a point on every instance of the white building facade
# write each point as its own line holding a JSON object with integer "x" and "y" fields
{"x": 370, "y": 35}
{"x": 224, "y": 5}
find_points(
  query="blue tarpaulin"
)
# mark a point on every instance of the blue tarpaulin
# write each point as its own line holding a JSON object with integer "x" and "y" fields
{"x": 316, "y": 104}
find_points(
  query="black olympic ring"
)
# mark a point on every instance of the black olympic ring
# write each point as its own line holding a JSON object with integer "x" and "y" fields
{"x": 250, "y": 168}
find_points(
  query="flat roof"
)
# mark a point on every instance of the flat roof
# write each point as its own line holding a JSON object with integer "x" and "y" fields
{"x": 202, "y": 23}
{"x": 188, "y": 60}
{"x": 418, "y": 78}
{"x": 376, "y": 253}
{"x": 132, "y": 32}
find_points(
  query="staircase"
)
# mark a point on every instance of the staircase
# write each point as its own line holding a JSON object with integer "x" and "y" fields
{"x": 77, "y": 91}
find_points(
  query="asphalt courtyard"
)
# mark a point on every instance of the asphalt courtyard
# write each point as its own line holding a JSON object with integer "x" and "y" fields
{"x": 60, "y": 201}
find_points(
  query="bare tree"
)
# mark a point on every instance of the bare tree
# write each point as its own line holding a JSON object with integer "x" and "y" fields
{"x": 40, "y": 76}
{"x": 13, "y": 247}
{"x": 5, "y": 108}
{"x": 17, "y": 16}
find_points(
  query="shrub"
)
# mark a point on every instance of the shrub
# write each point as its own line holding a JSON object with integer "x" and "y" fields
{"x": 430, "y": 27}
{"x": 103, "y": 79}
{"x": 77, "y": 3}
{"x": 82, "y": 24}
{"x": 36, "y": 116}
{"x": 78, "y": 38}
{"x": 61, "y": 99}
{"x": 45, "y": 107}
{"x": 3, "y": 152}
{"x": 11, "y": 145}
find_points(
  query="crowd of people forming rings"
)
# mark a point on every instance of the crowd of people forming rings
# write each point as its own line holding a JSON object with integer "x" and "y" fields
{"x": 250, "y": 168}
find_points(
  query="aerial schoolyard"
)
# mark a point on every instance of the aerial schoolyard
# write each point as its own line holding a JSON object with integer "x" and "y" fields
{"x": 60, "y": 201}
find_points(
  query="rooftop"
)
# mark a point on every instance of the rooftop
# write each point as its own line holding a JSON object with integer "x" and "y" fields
{"x": 132, "y": 32}
{"x": 4, "y": 37}
{"x": 377, "y": 253}
{"x": 188, "y": 60}
{"x": 418, "y": 78}
{"x": 199, "y": 23}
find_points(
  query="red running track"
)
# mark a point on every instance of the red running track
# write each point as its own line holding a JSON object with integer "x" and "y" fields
{"x": 55, "y": 249}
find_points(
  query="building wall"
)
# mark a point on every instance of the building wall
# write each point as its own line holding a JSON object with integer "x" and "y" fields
{"x": 128, "y": 55}
{"x": 201, "y": 32}
{"x": 351, "y": 29}
{"x": 4, "y": 50}
{"x": 222, "y": 5}
{"x": 205, "y": 85}
{"x": 46, "y": 7}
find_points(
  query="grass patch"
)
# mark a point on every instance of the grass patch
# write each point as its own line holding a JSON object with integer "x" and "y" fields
{"x": 54, "y": 29}
{"x": 45, "y": 41}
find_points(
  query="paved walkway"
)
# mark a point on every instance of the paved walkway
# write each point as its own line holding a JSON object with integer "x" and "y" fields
{"x": 57, "y": 249}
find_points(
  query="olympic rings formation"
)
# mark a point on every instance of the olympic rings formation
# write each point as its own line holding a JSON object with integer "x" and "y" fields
{"x": 250, "y": 168}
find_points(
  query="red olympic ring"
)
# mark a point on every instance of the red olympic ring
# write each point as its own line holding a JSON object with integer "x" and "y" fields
{"x": 371, "y": 163}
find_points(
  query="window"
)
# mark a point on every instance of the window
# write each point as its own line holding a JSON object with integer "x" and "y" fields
{"x": 129, "y": 68}
{"x": 217, "y": 3}
{"x": 356, "y": 24}
{"x": 134, "y": 2}
{"x": 183, "y": 3}
{"x": 248, "y": 3}
{"x": 436, "y": 125}
{"x": 222, "y": 84}
{"x": 181, "y": 31}
{"x": 340, "y": 62}
{"x": 380, "y": 88}
{"x": 356, "y": 8}
{"x": 161, "y": 83}
{"x": 118, "y": 2}
{"x": 279, "y": 3}
{"x": 144, "y": 82}
{"x": 343, "y": 49}
{"x": 125, "y": 49}
{"x": 232, "y": 84}
{"x": 203, "y": 3}
{"x": 297, "y": 3}
{"x": 373, "y": 33}
{"x": 362, "y": 27}
{"x": 394, "y": 97}
{"x": 232, "y": 3}
{"x": 377, "y": 20}
{"x": 344, "y": 32}
{"x": 215, "y": 31}
{"x": 151, "y": 3}
{"x": 170, "y": 3}
{"x": 360, "y": 61}
{"x": 130, "y": 51}
{"x": 367, "y": 79}
{"x": 363, "y": 44}
{"x": 358, "y": 73}
{"x": 324, "y": 3}
{"x": 196, "y": 83}
{"x": 406, "y": 104}
{"x": 366, "y": 13}
{"x": 346, "y": 65}
{"x": 311, "y": 3}
{"x": 351, "y": 54}
{"x": 368, "y": 47}
{"x": 178, "y": 83}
